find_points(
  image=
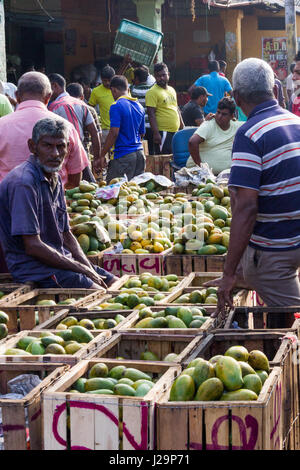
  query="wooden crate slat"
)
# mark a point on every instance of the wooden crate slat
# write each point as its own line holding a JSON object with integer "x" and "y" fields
{"x": 14, "y": 426}
{"x": 168, "y": 437}
{"x": 55, "y": 436}
{"x": 35, "y": 423}
{"x": 135, "y": 425}
{"x": 195, "y": 428}
{"x": 82, "y": 422}
{"x": 107, "y": 424}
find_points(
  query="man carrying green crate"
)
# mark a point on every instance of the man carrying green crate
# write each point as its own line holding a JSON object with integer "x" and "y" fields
{"x": 34, "y": 228}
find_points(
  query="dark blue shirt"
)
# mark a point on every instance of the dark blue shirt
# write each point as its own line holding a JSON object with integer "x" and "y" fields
{"x": 129, "y": 116}
{"x": 266, "y": 158}
{"x": 29, "y": 206}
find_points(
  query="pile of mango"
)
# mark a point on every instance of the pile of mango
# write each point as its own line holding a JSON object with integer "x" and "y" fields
{"x": 152, "y": 186}
{"x": 82, "y": 200}
{"x": 236, "y": 375}
{"x": 131, "y": 200}
{"x": 141, "y": 238}
{"x": 3, "y": 325}
{"x": 172, "y": 317}
{"x": 119, "y": 380}
{"x": 205, "y": 230}
{"x": 147, "y": 282}
{"x": 209, "y": 190}
{"x": 168, "y": 198}
{"x": 203, "y": 296}
{"x": 151, "y": 356}
{"x": 90, "y": 324}
{"x": 67, "y": 341}
{"x": 126, "y": 301}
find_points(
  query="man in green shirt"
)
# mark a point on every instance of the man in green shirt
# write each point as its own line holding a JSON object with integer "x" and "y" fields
{"x": 163, "y": 112}
{"x": 5, "y": 106}
{"x": 102, "y": 96}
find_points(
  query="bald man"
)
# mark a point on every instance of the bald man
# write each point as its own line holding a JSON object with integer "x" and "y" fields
{"x": 33, "y": 94}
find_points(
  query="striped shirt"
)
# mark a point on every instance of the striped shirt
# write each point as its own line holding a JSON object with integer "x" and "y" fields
{"x": 139, "y": 92}
{"x": 73, "y": 110}
{"x": 266, "y": 158}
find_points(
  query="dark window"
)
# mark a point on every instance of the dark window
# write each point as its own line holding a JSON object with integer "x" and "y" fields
{"x": 271, "y": 23}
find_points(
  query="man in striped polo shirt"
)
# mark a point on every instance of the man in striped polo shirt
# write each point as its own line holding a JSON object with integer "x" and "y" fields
{"x": 265, "y": 192}
{"x": 142, "y": 82}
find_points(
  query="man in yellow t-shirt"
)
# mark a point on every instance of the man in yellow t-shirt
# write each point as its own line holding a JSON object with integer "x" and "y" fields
{"x": 213, "y": 140}
{"x": 102, "y": 96}
{"x": 164, "y": 115}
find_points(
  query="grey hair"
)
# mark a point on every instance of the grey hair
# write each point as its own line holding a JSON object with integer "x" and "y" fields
{"x": 254, "y": 80}
{"x": 34, "y": 83}
{"x": 53, "y": 127}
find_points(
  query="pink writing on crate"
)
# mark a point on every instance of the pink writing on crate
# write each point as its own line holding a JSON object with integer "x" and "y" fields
{"x": 151, "y": 265}
{"x": 60, "y": 409}
{"x": 115, "y": 266}
{"x": 276, "y": 415}
{"x": 248, "y": 434}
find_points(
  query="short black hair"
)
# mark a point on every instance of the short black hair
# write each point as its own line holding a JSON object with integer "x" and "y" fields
{"x": 159, "y": 67}
{"x": 197, "y": 91}
{"x": 292, "y": 66}
{"x": 75, "y": 90}
{"x": 227, "y": 103}
{"x": 120, "y": 82}
{"x": 222, "y": 64}
{"x": 107, "y": 72}
{"x": 213, "y": 66}
{"x": 56, "y": 78}
{"x": 141, "y": 73}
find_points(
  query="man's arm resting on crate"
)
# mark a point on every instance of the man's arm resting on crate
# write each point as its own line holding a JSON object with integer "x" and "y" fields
{"x": 47, "y": 255}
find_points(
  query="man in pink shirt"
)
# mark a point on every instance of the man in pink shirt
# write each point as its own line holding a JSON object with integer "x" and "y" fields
{"x": 33, "y": 94}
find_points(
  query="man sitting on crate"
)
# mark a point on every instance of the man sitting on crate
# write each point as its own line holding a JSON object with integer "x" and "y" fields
{"x": 264, "y": 188}
{"x": 34, "y": 229}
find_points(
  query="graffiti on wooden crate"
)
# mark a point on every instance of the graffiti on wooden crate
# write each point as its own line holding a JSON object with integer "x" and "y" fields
{"x": 114, "y": 265}
{"x": 150, "y": 267}
{"x": 142, "y": 445}
{"x": 275, "y": 432}
{"x": 248, "y": 431}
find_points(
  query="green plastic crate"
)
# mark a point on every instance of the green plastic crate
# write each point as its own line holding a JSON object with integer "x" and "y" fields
{"x": 140, "y": 42}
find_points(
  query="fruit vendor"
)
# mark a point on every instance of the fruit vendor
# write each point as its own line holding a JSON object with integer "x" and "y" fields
{"x": 34, "y": 230}
{"x": 264, "y": 186}
{"x": 127, "y": 127}
{"x": 33, "y": 94}
{"x": 212, "y": 142}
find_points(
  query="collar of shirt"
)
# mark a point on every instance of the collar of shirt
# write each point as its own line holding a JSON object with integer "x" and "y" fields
{"x": 31, "y": 104}
{"x": 126, "y": 97}
{"x": 263, "y": 107}
{"x": 64, "y": 93}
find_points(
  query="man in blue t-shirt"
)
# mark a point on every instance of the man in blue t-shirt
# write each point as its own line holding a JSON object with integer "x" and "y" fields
{"x": 127, "y": 127}
{"x": 214, "y": 84}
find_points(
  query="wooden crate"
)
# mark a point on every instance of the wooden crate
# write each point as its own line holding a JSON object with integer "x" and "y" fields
{"x": 279, "y": 319}
{"x": 12, "y": 291}
{"x": 159, "y": 165}
{"x": 205, "y": 328}
{"x": 280, "y": 352}
{"x": 83, "y": 313}
{"x": 119, "y": 284}
{"x": 14, "y": 412}
{"x": 183, "y": 265}
{"x": 24, "y": 307}
{"x": 240, "y": 297}
{"x": 97, "y": 422}
{"x": 97, "y": 260}
{"x": 265, "y": 318}
{"x": 239, "y": 425}
{"x": 129, "y": 345}
{"x": 120, "y": 264}
{"x": 85, "y": 351}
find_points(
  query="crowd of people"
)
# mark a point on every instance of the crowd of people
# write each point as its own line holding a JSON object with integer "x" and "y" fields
{"x": 55, "y": 134}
